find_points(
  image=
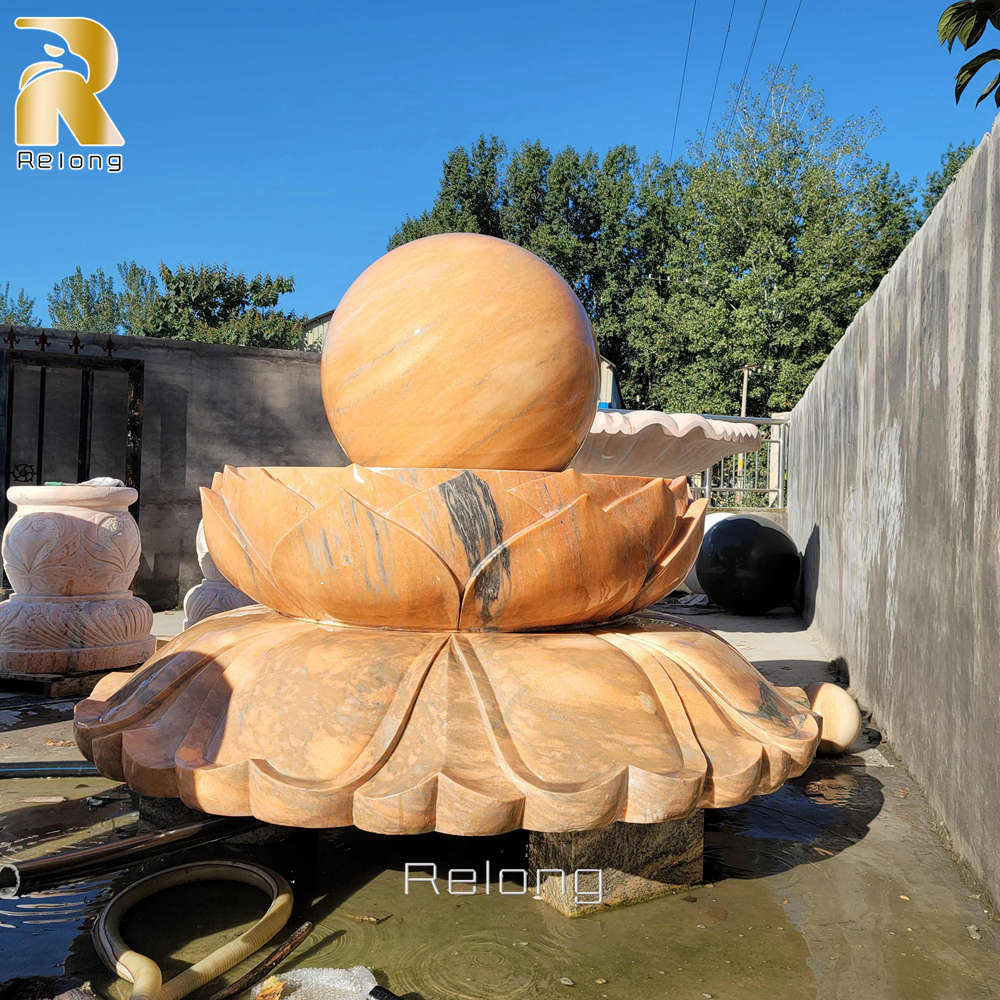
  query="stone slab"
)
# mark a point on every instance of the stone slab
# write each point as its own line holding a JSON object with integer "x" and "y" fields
{"x": 635, "y": 862}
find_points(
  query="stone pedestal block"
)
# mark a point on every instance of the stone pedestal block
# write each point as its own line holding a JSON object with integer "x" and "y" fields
{"x": 70, "y": 553}
{"x": 215, "y": 593}
{"x": 590, "y": 870}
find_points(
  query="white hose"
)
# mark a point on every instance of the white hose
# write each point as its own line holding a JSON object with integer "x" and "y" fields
{"x": 144, "y": 973}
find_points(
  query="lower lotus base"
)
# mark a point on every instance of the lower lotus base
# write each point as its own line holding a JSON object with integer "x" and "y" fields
{"x": 471, "y": 733}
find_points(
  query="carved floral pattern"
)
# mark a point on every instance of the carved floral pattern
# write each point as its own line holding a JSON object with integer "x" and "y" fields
{"x": 211, "y": 597}
{"x": 442, "y": 548}
{"x": 71, "y": 551}
{"x": 398, "y": 731}
{"x": 73, "y": 625}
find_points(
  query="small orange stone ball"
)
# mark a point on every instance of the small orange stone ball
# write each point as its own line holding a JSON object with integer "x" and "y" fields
{"x": 460, "y": 351}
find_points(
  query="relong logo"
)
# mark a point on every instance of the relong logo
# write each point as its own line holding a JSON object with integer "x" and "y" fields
{"x": 49, "y": 90}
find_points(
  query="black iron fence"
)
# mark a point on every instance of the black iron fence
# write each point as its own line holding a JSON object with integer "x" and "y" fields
{"x": 14, "y": 364}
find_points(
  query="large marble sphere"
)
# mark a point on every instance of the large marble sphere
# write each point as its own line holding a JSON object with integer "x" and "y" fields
{"x": 460, "y": 351}
{"x": 748, "y": 564}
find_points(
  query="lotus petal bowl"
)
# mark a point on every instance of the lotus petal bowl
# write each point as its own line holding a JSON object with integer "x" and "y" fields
{"x": 450, "y": 549}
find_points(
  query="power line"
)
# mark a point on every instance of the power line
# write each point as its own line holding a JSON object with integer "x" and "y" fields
{"x": 784, "y": 49}
{"x": 746, "y": 68}
{"x": 680, "y": 93}
{"x": 722, "y": 55}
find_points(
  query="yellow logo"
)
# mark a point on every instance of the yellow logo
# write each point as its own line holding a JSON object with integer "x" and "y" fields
{"x": 48, "y": 91}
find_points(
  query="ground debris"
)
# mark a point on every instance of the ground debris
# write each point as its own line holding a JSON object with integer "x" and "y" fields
{"x": 974, "y": 932}
{"x": 270, "y": 989}
{"x": 367, "y": 918}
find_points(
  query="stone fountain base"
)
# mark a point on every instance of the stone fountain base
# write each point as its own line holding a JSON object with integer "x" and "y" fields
{"x": 469, "y": 733}
{"x": 73, "y": 635}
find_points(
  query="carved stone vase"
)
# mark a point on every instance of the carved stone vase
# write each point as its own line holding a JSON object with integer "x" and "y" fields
{"x": 215, "y": 593}
{"x": 70, "y": 553}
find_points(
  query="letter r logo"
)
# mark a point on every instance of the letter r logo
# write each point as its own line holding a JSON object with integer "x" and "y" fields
{"x": 48, "y": 90}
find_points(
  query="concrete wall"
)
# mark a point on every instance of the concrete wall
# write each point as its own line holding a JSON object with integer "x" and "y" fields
{"x": 206, "y": 405}
{"x": 894, "y": 477}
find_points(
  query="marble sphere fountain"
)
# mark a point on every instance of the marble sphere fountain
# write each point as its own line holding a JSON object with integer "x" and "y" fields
{"x": 450, "y": 632}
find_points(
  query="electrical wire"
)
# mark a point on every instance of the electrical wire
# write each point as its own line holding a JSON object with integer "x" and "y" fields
{"x": 746, "y": 68}
{"x": 784, "y": 49}
{"x": 718, "y": 71}
{"x": 680, "y": 93}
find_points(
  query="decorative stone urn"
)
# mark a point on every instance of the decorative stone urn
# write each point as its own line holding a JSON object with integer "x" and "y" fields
{"x": 70, "y": 552}
{"x": 215, "y": 593}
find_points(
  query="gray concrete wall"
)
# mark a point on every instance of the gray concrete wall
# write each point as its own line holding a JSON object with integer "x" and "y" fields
{"x": 894, "y": 479}
{"x": 206, "y": 405}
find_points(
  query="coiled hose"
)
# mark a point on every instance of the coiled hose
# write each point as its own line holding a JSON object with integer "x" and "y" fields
{"x": 143, "y": 973}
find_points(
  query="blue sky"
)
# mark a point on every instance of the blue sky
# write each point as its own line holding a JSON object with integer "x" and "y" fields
{"x": 293, "y": 139}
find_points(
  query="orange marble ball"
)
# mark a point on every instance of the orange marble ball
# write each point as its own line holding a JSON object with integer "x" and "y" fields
{"x": 460, "y": 351}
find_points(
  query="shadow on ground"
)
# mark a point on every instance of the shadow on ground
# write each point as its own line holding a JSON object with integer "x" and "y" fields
{"x": 812, "y": 817}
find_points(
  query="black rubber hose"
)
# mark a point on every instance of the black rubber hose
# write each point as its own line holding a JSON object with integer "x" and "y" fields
{"x": 381, "y": 993}
{"x": 49, "y": 769}
{"x": 20, "y": 877}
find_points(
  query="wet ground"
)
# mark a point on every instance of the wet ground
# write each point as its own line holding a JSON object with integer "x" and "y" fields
{"x": 837, "y": 886}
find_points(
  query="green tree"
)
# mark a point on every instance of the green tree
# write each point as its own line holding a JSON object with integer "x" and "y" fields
{"x": 85, "y": 302}
{"x": 17, "y": 311}
{"x": 938, "y": 181}
{"x": 469, "y": 198}
{"x": 139, "y": 299}
{"x": 756, "y": 248}
{"x": 212, "y": 303}
{"x": 208, "y": 302}
{"x": 966, "y": 21}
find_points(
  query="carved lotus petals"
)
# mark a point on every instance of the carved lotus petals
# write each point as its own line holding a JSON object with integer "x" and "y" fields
{"x": 445, "y": 549}
{"x": 83, "y": 624}
{"x": 466, "y": 733}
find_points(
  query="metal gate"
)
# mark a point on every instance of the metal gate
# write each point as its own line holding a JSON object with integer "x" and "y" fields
{"x": 13, "y": 362}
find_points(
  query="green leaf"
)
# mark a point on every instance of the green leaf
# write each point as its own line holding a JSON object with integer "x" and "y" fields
{"x": 973, "y": 31}
{"x": 986, "y": 92}
{"x": 971, "y": 68}
{"x": 967, "y": 21}
{"x": 951, "y": 21}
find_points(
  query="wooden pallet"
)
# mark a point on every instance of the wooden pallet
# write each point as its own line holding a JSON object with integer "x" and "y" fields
{"x": 52, "y": 685}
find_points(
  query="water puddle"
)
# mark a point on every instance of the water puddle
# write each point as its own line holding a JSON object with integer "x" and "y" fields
{"x": 815, "y": 816}
{"x": 768, "y": 923}
{"x": 23, "y": 711}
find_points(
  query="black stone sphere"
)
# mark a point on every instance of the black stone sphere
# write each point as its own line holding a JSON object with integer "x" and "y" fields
{"x": 748, "y": 564}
